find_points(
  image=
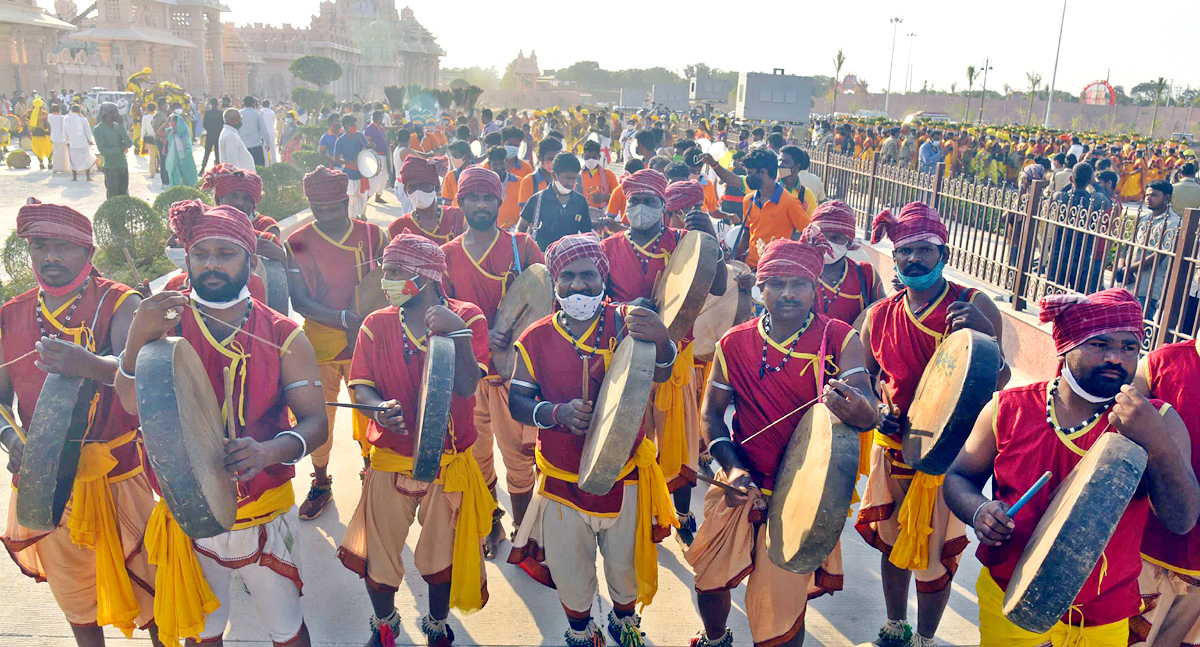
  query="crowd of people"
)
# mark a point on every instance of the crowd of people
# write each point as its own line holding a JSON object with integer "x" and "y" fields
{"x": 484, "y": 200}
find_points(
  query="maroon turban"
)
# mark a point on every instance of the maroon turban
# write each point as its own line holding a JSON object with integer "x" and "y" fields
{"x": 416, "y": 254}
{"x": 684, "y": 195}
{"x": 917, "y": 222}
{"x": 568, "y": 249}
{"x": 418, "y": 169}
{"x": 1078, "y": 318}
{"x": 324, "y": 186}
{"x": 476, "y": 179}
{"x": 37, "y": 220}
{"x": 645, "y": 181}
{"x": 785, "y": 257}
{"x": 836, "y": 217}
{"x": 226, "y": 178}
{"x": 193, "y": 221}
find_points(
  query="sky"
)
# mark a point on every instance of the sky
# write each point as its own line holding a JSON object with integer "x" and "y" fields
{"x": 1127, "y": 43}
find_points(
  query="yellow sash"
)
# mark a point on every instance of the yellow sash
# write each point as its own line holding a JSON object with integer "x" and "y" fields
{"x": 654, "y": 502}
{"x": 911, "y": 551}
{"x": 996, "y": 630}
{"x": 93, "y": 524}
{"x": 182, "y": 598}
{"x": 326, "y": 341}
{"x": 460, "y": 473}
{"x": 668, "y": 398}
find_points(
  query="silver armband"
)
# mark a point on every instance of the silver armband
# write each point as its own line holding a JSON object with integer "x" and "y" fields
{"x": 303, "y": 445}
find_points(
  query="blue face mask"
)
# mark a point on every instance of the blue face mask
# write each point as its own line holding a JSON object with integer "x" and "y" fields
{"x": 925, "y": 281}
{"x": 511, "y": 151}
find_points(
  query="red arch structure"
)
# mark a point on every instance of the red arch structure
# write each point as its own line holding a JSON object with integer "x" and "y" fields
{"x": 1098, "y": 93}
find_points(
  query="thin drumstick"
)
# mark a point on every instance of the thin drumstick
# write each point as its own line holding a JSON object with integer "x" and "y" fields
{"x": 355, "y": 405}
{"x": 14, "y": 361}
{"x": 137, "y": 278}
{"x": 246, "y": 333}
{"x": 7, "y": 414}
{"x": 785, "y": 417}
{"x": 230, "y": 425}
{"x": 1016, "y": 507}
{"x": 712, "y": 481}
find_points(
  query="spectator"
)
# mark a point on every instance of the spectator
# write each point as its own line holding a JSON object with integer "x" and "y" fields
{"x": 929, "y": 155}
{"x": 1073, "y": 263}
{"x": 269, "y": 119}
{"x": 1156, "y": 228}
{"x": 112, "y": 141}
{"x": 325, "y": 145}
{"x": 149, "y": 143}
{"x": 230, "y": 147}
{"x": 1185, "y": 194}
{"x": 214, "y": 123}
{"x": 255, "y": 133}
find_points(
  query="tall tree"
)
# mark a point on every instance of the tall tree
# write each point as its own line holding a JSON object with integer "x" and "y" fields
{"x": 317, "y": 70}
{"x": 1035, "y": 80}
{"x": 970, "y": 86}
{"x": 836, "y": 86}
{"x": 1160, "y": 88}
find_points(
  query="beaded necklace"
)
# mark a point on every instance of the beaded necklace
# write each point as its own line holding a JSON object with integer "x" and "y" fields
{"x": 1050, "y": 414}
{"x": 586, "y": 357}
{"x": 833, "y": 290}
{"x": 764, "y": 368}
{"x": 75, "y": 301}
{"x": 409, "y": 352}
{"x": 647, "y": 251}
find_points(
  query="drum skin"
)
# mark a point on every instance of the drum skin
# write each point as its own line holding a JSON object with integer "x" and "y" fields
{"x": 680, "y": 293}
{"x": 1074, "y": 531}
{"x": 813, "y": 489}
{"x": 437, "y": 386}
{"x": 528, "y": 299}
{"x": 617, "y": 415}
{"x": 185, "y": 437}
{"x": 958, "y": 382}
{"x": 53, "y": 444}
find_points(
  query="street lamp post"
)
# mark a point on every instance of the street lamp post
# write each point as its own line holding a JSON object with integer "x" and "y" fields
{"x": 908, "y": 72}
{"x": 1054, "y": 75}
{"x": 887, "y": 97}
{"x": 983, "y": 92}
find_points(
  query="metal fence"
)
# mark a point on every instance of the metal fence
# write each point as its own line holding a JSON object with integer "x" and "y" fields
{"x": 1028, "y": 244}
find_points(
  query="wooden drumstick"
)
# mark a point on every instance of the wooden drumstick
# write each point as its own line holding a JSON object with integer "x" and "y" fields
{"x": 268, "y": 342}
{"x": 14, "y": 361}
{"x": 1041, "y": 482}
{"x": 712, "y": 481}
{"x": 781, "y": 419}
{"x": 137, "y": 278}
{"x": 230, "y": 423}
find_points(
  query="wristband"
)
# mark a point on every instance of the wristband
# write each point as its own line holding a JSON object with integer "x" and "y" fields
{"x": 121, "y": 367}
{"x": 977, "y": 512}
{"x": 303, "y": 445}
{"x": 465, "y": 332}
{"x": 342, "y": 316}
{"x": 114, "y": 380}
{"x": 536, "y": 422}
{"x": 671, "y": 362}
{"x": 721, "y": 439}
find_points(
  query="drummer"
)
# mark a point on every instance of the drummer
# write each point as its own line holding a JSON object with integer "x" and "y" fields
{"x": 327, "y": 259}
{"x": 421, "y": 179}
{"x": 1048, "y": 426}
{"x": 752, "y": 371}
{"x": 639, "y": 256}
{"x": 456, "y": 509}
{"x": 275, "y": 377}
{"x": 77, "y": 321}
{"x": 557, "y": 542}
{"x": 1170, "y": 563}
{"x": 848, "y": 287}
{"x": 242, "y": 190}
{"x": 481, "y": 264}
{"x": 902, "y": 333}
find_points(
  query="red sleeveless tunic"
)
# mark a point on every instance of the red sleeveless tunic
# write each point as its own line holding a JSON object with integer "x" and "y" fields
{"x": 628, "y": 278}
{"x": 450, "y": 224}
{"x": 1027, "y": 447}
{"x": 848, "y": 296}
{"x": 1171, "y": 371}
{"x": 19, "y": 332}
{"x": 760, "y": 401}
{"x": 903, "y": 342}
{"x": 557, "y": 368}
{"x": 484, "y": 281}
{"x": 380, "y": 362}
{"x": 258, "y": 391}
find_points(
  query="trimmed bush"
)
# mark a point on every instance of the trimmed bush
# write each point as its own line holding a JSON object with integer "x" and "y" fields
{"x": 18, "y": 266}
{"x": 124, "y": 222}
{"x": 162, "y": 204}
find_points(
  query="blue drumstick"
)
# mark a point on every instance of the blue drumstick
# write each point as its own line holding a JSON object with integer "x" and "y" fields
{"x": 1016, "y": 507}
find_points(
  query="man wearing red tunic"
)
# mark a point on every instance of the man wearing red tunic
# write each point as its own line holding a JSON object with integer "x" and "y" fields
{"x": 1170, "y": 579}
{"x": 560, "y": 357}
{"x": 274, "y": 379}
{"x": 481, "y": 265}
{"x": 772, "y": 369}
{"x": 455, "y": 510}
{"x": 848, "y": 287}
{"x": 902, "y": 332}
{"x": 242, "y": 190}
{"x": 638, "y": 257}
{"x": 421, "y": 181}
{"x": 1048, "y": 427}
{"x": 327, "y": 259}
{"x": 73, "y": 324}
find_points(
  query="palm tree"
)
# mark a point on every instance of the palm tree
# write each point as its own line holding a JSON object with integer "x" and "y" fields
{"x": 835, "y": 87}
{"x": 1035, "y": 80}
{"x": 970, "y": 86}
{"x": 1160, "y": 86}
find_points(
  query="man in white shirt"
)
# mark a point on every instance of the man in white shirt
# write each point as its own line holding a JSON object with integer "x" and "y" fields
{"x": 230, "y": 147}
{"x": 79, "y": 143}
{"x": 148, "y": 141}
{"x": 58, "y": 137}
{"x": 254, "y": 132}
{"x": 269, "y": 117}
{"x": 1076, "y": 148}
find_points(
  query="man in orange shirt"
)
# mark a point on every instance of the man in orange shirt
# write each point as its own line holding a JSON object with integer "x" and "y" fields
{"x": 770, "y": 212}
{"x": 543, "y": 176}
{"x": 596, "y": 182}
{"x": 510, "y": 212}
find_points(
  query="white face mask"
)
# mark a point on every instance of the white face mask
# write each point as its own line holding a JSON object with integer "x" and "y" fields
{"x": 179, "y": 111}
{"x": 591, "y": 164}
{"x": 784, "y": 172}
{"x": 561, "y": 188}
{"x": 422, "y": 199}
{"x": 643, "y": 216}
{"x": 1078, "y": 389}
{"x": 178, "y": 257}
{"x": 223, "y": 305}
{"x": 839, "y": 251}
{"x": 580, "y": 306}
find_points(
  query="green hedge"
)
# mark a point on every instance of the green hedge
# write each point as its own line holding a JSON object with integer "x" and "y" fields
{"x": 162, "y": 204}
{"x": 124, "y": 222}
{"x": 18, "y": 266}
{"x": 283, "y": 192}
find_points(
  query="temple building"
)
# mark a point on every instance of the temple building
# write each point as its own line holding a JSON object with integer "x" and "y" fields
{"x": 27, "y": 36}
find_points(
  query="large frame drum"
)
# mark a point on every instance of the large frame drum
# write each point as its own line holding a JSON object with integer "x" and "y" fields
{"x": 617, "y": 415}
